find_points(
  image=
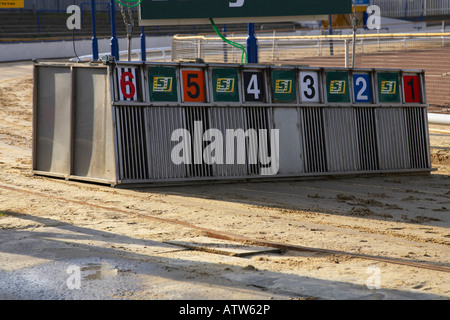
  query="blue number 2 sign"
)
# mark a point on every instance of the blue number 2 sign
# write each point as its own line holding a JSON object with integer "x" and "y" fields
{"x": 362, "y": 88}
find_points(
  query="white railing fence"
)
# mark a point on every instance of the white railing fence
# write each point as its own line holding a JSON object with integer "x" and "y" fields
{"x": 412, "y": 8}
{"x": 427, "y": 51}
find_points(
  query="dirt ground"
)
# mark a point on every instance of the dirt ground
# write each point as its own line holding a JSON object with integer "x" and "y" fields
{"x": 58, "y": 240}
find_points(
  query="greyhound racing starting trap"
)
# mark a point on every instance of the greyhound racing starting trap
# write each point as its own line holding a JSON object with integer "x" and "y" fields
{"x": 151, "y": 123}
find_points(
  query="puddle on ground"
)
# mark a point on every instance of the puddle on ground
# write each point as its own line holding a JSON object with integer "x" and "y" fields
{"x": 98, "y": 271}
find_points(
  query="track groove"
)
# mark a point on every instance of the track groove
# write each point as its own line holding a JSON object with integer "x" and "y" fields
{"x": 224, "y": 235}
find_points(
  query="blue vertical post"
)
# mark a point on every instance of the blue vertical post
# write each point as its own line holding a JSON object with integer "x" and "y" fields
{"x": 143, "y": 45}
{"x": 114, "y": 41}
{"x": 330, "y": 32}
{"x": 94, "y": 33}
{"x": 252, "y": 44}
{"x": 225, "y": 47}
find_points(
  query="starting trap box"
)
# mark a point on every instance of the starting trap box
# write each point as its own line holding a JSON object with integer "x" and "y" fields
{"x": 155, "y": 123}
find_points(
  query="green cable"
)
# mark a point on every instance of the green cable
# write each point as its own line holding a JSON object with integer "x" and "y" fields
{"x": 122, "y": 2}
{"x": 234, "y": 44}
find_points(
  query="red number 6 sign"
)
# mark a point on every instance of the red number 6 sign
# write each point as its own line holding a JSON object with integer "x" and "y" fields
{"x": 127, "y": 78}
{"x": 127, "y": 87}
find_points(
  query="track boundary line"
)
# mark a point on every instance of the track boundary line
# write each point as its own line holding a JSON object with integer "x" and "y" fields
{"x": 224, "y": 235}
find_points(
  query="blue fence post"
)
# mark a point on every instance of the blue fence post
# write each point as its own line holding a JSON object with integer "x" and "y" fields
{"x": 252, "y": 44}
{"x": 225, "y": 47}
{"x": 38, "y": 21}
{"x": 330, "y": 32}
{"x": 94, "y": 33}
{"x": 114, "y": 41}
{"x": 143, "y": 45}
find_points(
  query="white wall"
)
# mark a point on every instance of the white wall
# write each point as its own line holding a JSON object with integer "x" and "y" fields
{"x": 18, "y": 51}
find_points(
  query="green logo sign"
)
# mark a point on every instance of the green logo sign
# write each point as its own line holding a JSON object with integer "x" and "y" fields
{"x": 283, "y": 86}
{"x": 225, "y": 85}
{"x": 163, "y": 83}
{"x": 337, "y": 87}
{"x": 388, "y": 90}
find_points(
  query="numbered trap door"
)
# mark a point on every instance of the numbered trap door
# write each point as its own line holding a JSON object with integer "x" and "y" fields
{"x": 255, "y": 85}
{"x": 310, "y": 86}
{"x": 413, "y": 88}
{"x": 193, "y": 84}
{"x": 362, "y": 87}
{"x": 128, "y": 84}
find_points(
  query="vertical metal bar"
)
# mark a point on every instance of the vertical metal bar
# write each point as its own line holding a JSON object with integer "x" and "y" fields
{"x": 262, "y": 150}
{"x": 114, "y": 42}
{"x": 167, "y": 120}
{"x": 225, "y": 46}
{"x": 35, "y": 112}
{"x": 330, "y": 32}
{"x": 134, "y": 130}
{"x": 71, "y": 120}
{"x": 94, "y": 33}
{"x": 187, "y": 127}
{"x": 354, "y": 27}
{"x": 157, "y": 113}
{"x": 148, "y": 142}
{"x": 252, "y": 44}
{"x": 154, "y": 142}
{"x": 123, "y": 138}
{"x": 141, "y": 145}
{"x": 143, "y": 45}
{"x": 130, "y": 153}
{"x": 306, "y": 136}
{"x": 316, "y": 141}
{"x": 128, "y": 142}
{"x": 346, "y": 53}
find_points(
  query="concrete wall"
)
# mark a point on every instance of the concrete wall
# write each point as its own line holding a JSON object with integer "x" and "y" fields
{"x": 18, "y": 51}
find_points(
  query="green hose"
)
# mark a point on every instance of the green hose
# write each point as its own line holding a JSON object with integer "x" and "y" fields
{"x": 234, "y": 44}
{"x": 124, "y": 3}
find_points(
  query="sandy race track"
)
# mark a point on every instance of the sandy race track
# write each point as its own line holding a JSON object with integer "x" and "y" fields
{"x": 71, "y": 240}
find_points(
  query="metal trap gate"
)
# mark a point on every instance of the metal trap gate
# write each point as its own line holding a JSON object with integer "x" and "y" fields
{"x": 150, "y": 123}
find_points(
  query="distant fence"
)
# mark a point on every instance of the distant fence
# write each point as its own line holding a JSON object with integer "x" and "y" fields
{"x": 412, "y": 8}
{"x": 36, "y": 5}
{"x": 427, "y": 51}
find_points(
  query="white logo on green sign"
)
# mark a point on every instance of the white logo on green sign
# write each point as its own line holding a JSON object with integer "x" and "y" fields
{"x": 237, "y": 4}
{"x": 225, "y": 85}
{"x": 388, "y": 87}
{"x": 162, "y": 84}
{"x": 283, "y": 86}
{"x": 337, "y": 87}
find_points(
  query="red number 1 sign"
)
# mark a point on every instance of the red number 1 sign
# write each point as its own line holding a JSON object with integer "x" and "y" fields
{"x": 411, "y": 87}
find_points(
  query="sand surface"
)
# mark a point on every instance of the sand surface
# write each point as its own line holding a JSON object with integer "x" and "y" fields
{"x": 59, "y": 240}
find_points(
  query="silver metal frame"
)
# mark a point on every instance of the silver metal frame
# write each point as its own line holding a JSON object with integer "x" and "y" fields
{"x": 335, "y": 138}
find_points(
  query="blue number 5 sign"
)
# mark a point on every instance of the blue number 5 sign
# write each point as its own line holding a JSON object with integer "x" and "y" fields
{"x": 362, "y": 88}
